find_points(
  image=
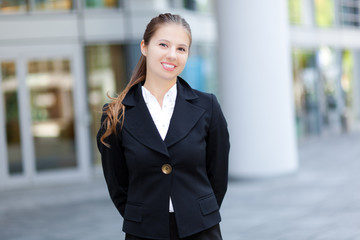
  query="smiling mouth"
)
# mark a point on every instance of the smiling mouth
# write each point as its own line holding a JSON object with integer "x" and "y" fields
{"x": 168, "y": 67}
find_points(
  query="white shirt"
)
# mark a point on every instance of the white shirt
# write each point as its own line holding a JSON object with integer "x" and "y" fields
{"x": 161, "y": 116}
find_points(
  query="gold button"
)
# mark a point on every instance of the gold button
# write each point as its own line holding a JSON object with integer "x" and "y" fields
{"x": 166, "y": 168}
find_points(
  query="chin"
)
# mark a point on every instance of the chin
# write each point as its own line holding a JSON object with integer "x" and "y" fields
{"x": 170, "y": 78}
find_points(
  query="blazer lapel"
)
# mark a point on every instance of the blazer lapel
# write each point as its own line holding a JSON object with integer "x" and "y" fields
{"x": 185, "y": 114}
{"x": 138, "y": 121}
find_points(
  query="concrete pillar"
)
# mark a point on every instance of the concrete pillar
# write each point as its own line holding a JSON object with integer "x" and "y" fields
{"x": 256, "y": 87}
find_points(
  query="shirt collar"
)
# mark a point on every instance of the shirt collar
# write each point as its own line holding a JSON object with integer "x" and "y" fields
{"x": 184, "y": 91}
{"x": 170, "y": 95}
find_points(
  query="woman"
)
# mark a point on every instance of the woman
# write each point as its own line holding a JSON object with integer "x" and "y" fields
{"x": 164, "y": 146}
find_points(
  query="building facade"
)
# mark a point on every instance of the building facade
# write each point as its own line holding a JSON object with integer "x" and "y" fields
{"x": 59, "y": 60}
{"x": 325, "y": 40}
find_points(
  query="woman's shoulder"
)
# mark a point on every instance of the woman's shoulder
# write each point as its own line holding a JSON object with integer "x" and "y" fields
{"x": 195, "y": 94}
{"x": 204, "y": 97}
{"x": 207, "y": 101}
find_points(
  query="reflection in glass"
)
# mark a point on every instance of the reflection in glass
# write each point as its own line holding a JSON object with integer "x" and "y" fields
{"x": 10, "y": 94}
{"x": 323, "y": 90}
{"x": 347, "y": 83}
{"x": 347, "y": 88}
{"x": 349, "y": 13}
{"x": 324, "y": 13}
{"x": 102, "y": 3}
{"x": 50, "y": 84}
{"x": 11, "y": 6}
{"x": 305, "y": 82}
{"x": 106, "y": 74}
{"x": 198, "y": 5}
{"x": 331, "y": 100}
{"x": 46, "y": 5}
{"x": 295, "y": 12}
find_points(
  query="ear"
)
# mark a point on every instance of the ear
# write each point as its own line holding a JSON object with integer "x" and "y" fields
{"x": 143, "y": 48}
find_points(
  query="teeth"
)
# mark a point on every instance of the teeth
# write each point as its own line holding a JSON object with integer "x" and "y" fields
{"x": 168, "y": 65}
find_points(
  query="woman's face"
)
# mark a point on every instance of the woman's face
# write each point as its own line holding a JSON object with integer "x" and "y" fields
{"x": 167, "y": 52}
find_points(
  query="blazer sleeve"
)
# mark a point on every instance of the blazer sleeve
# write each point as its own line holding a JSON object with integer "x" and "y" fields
{"x": 217, "y": 152}
{"x": 114, "y": 167}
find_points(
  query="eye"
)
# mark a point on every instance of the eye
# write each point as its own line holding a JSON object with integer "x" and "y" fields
{"x": 162, "y": 45}
{"x": 182, "y": 49}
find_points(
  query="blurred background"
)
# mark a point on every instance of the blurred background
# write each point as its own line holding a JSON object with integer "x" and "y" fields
{"x": 285, "y": 71}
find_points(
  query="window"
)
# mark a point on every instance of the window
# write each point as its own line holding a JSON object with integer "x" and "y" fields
{"x": 347, "y": 78}
{"x": 198, "y": 5}
{"x": 295, "y": 12}
{"x": 105, "y": 70}
{"x": 305, "y": 87}
{"x": 52, "y": 5}
{"x": 50, "y": 83}
{"x": 16, "y": 6}
{"x": 101, "y": 3}
{"x": 9, "y": 84}
{"x": 324, "y": 13}
{"x": 13, "y": 6}
{"x": 349, "y": 12}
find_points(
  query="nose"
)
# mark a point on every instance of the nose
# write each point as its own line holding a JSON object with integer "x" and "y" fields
{"x": 171, "y": 55}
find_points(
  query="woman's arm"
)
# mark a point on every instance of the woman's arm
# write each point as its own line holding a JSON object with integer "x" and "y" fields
{"x": 217, "y": 152}
{"x": 114, "y": 167}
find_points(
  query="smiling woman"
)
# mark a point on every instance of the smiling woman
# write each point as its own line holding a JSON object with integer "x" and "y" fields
{"x": 166, "y": 162}
{"x": 166, "y": 55}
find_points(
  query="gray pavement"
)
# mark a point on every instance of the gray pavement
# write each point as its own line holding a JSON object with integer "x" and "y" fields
{"x": 319, "y": 202}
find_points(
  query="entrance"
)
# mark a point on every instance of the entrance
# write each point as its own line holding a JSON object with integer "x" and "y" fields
{"x": 42, "y": 113}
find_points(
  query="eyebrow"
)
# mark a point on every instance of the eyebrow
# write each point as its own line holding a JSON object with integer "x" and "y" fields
{"x": 164, "y": 40}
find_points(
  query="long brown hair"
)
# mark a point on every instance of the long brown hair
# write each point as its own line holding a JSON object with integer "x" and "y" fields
{"x": 115, "y": 110}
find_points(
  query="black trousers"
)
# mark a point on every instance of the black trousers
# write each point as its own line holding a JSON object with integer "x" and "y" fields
{"x": 212, "y": 233}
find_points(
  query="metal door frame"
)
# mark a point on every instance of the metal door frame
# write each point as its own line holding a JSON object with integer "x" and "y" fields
{"x": 21, "y": 55}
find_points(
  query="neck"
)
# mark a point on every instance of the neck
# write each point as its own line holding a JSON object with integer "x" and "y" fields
{"x": 158, "y": 88}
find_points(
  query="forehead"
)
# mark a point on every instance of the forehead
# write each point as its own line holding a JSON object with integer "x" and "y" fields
{"x": 172, "y": 32}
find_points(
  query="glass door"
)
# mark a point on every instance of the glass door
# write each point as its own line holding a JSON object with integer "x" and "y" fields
{"x": 106, "y": 75}
{"x": 44, "y": 122}
{"x": 12, "y": 154}
{"x": 50, "y": 85}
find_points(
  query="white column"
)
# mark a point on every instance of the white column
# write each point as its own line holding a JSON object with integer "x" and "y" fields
{"x": 256, "y": 87}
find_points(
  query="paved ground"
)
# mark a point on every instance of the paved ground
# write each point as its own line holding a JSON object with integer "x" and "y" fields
{"x": 320, "y": 202}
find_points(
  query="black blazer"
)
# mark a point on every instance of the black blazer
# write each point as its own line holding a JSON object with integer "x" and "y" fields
{"x": 195, "y": 150}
